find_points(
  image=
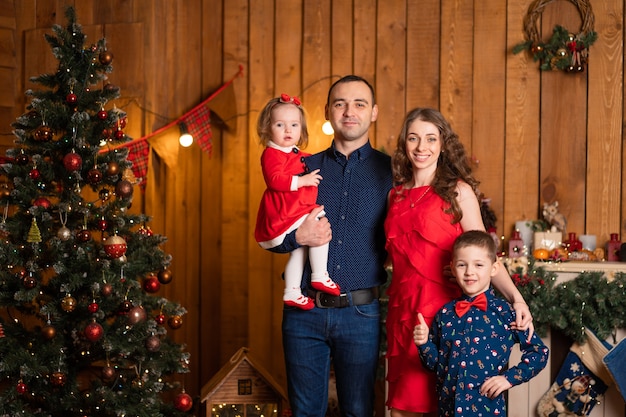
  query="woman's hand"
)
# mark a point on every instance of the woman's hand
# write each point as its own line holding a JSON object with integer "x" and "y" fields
{"x": 523, "y": 320}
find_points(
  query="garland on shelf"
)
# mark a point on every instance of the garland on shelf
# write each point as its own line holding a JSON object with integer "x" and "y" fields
{"x": 564, "y": 51}
{"x": 590, "y": 300}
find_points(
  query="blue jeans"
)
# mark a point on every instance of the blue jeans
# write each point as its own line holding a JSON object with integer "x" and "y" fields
{"x": 349, "y": 337}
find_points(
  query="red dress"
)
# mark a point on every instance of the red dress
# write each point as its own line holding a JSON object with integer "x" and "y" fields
{"x": 280, "y": 207}
{"x": 419, "y": 242}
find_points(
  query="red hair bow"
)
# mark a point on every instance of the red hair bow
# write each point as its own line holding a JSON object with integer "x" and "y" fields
{"x": 285, "y": 98}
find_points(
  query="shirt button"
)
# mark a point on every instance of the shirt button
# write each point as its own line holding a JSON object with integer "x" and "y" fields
{"x": 343, "y": 217}
{"x": 347, "y": 171}
{"x": 338, "y": 267}
{"x": 345, "y": 193}
{"x": 339, "y": 242}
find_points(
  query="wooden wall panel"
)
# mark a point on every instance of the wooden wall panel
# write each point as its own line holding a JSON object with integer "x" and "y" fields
{"x": 390, "y": 73}
{"x": 488, "y": 103}
{"x": 213, "y": 73}
{"x": 422, "y": 43}
{"x": 235, "y": 227}
{"x": 316, "y": 66}
{"x": 264, "y": 294}
{"x": 457, "y": 21}
{"x": 364, "y": 43}
{"x": 605, "y": 120}
{"x": 563, "y": 134}
{"x": 522, "y": 115}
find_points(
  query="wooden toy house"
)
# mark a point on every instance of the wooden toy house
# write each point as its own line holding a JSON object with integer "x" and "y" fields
{"x": 243, "y": 388}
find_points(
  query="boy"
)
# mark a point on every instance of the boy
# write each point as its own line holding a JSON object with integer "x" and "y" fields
{"x": 471, "y": 339}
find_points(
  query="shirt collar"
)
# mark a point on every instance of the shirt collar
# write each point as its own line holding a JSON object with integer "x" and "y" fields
{"x": 361, "y": 153}
{"x": 285, "y": 149}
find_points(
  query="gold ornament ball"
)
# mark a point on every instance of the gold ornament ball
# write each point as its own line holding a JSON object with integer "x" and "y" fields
{"x": 561, "y": 52}
{"x": 58, "y": 379}
{"x": 68, "y": 304}
{"x": 113, "y": 168}
{"x": 165, "y": 276}
{"x": 48, "y": 332}
{"x": 175, "y": 322}
{"x": 105, "y": 57}
{"x": 108, "y": 373}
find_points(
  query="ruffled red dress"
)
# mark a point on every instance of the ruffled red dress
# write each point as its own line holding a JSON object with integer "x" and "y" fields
{"x": 419, "y": 242}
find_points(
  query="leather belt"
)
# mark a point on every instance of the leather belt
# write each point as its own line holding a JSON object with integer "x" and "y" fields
{"x": 359, "y": 297}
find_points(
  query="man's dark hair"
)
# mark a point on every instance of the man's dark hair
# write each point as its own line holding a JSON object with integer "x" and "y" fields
{"x": 349, "y": 79}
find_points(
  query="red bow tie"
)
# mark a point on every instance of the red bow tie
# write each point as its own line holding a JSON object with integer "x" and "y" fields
{"x": 461, "y": 307}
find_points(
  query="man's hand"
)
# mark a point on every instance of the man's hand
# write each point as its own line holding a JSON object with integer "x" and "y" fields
{"x": 314, "y": 232}
{"x": 420, "y": 332}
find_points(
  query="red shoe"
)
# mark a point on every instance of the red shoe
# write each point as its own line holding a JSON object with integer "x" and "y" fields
{"x": 327, "y": 286}
{"x": 302, "y": 302}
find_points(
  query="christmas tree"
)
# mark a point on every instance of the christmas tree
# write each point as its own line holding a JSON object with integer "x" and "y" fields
{"x": 83, "y": 332}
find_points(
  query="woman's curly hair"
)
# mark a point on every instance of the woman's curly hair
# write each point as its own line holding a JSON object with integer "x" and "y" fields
{"x": 453, "y": 164}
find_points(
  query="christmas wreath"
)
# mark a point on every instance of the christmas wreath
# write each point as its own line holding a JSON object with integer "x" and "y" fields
{"x": 564, "y": 51}
{"x": 590, "y": 300}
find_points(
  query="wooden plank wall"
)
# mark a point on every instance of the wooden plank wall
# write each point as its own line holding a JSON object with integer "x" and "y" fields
{"x": 534, "y": 137}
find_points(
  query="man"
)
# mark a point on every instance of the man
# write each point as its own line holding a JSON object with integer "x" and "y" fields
{"x": 343, "y": 329}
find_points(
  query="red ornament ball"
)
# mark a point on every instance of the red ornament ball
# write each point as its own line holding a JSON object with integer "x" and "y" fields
{"x": 83, "y": 236}
{"x": 103, "y": 224}
{"x": 43, "y": 134}
{"x": 102, "y": 114}
{"x": 107, "y": 289}
{"x": 160, "y": 319}
{"x": 71, "y": 98}
{"x": 115, "y": 246}
{"x": 42, "y": 202}
{"x": 72, "y": 161}
{"x": 58, "y": 379}
{"x": 34, "y": 174}
{"x": 21, "y": 388}
{"x": 29, "y": 282}
{"x": 93, "y": 332}
{"x": 183, "y": 402}
{"x": 153, "y": 343}
{"x": 22, "y": 159}
{"x": 124, "y": 189}
{"x": 93, "y": 307}
{"x": 165, "y": 276}
{"x": 94, "y": 176}
{"x": 119, "y": 134}
{"x": 151, "y": 284}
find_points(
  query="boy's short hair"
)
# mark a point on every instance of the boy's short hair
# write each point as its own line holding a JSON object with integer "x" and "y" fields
{"x": 478, "y": 238}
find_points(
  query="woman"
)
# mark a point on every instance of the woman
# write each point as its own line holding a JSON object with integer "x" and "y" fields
{"x": 433, "y": 201}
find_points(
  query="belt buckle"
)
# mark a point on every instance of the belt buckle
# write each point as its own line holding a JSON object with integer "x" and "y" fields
{"x": 318, "y": 300}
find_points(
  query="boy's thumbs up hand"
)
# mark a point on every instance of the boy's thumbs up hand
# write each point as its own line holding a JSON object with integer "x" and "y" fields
{"x": 420, "y": 332}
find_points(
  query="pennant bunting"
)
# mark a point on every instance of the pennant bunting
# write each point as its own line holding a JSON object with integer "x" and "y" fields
{"x": 198, "y": 123}
{"x": 138, "y": 153}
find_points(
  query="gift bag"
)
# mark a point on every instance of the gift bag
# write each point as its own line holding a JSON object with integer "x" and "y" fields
{"x": 615, "y": 364}
{"x": 581, "y": 382}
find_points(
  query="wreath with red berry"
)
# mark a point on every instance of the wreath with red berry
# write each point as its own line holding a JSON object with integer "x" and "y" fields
{"x": 564, "y": 51}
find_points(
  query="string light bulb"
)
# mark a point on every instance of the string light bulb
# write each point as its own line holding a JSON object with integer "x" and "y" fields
{"x": 327, "y": 128}
{"x": 185, "y": 139}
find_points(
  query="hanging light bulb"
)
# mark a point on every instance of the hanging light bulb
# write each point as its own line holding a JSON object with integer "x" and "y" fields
{"x": 185, "y": 138}
{"x": 327, "y": 128}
